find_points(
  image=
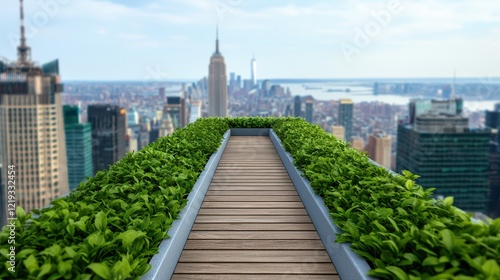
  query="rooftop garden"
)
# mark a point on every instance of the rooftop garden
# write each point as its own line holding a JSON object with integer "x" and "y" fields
{"x": 112, "y": 225}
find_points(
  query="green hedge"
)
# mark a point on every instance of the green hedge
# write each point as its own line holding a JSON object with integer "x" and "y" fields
{"x": 111, "y": 226}
{"x": 392, "y": 222}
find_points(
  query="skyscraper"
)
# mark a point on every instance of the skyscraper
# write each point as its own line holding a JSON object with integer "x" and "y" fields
{"x": 297, "y": 104}
{"x": 78, "y": 146}
{"x": 448, "y": 155}
{"x": 379, "y": 148}
{"x": 31, "y": 130}
{"x": 217, "y": 83}
{"x": 253, "y": 70}
{"x": 345, "y": 116}
{"x": 493, "y": 122}
{"x": 108, "y": 134}
{"x": 309, "y": 110}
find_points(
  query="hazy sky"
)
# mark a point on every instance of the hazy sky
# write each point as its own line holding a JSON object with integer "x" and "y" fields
{"x": 173, "y": 39}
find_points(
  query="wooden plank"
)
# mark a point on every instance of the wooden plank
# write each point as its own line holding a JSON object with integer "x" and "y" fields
{"x": 255, "y": 276}
{"x": 252, "y": 268}
{"x": 252, "y": 212}
{"x": 288, "y": 184}
{"x": 299, "y": 244}
{"x": 252, "y": 204}
{"x": 254, "y": 256}
{"x": 260, "y": 227}
{"x": 256, "y": 198}
{"x": 250, "y": 188}
{"x": 255, "y": 234}
{"x": 252, "y": 193}
{"x": 253, "y": 219}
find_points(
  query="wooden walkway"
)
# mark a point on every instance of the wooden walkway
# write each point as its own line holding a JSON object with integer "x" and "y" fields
{"x": 252, "y": 223}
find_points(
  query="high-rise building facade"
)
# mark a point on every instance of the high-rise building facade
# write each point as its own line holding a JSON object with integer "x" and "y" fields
{"x": 448, "y": 156}
{"x": 345, "y": 116}
{"x": 217, "y": 84}
{"x": 338, "y": 131}
{"x": 309, "y": 111}
{"x": 108, "y": 124}
{"x": 297, "y": 106}
{"x": 253, "y": 70}
{"x": 78, "y": 146}
{"x": 31, "y": 130}
{"x": 358, "y": 143}
{"x": 493, "y": 122}
{"x": 379, "y": 148}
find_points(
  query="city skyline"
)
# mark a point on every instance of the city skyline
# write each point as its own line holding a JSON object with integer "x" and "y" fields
{"x": 170, "y": 40}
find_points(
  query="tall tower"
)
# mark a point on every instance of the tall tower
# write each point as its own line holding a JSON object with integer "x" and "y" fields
{"x": 253, "y": 69}
{"x": 447, "y": 154}
{"x": 79, "y": 147}
{"x": 31, "y": 130}
{"x": 217, "y": 83}
{"x": 345, "y": 116}
{"x": 108, "y": 134}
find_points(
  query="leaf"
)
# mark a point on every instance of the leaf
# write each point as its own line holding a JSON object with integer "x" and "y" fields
{"x": 129, "y": 236}
{"x": 64, "y": 267}
{"x": 448, "y": 201}
{"x": 100, "y": 269}
{"x": 491, "y": 268}
{"x": 20, "y": 213}
{"x": 430, "y": 261}
{"x": 447, "y": 237}
{"x": 101, "y": 221}
{"x": 52, "y": 251}
{"x": 96, "y": 239}
{"x": 31, "y": 264}
{"x": 46, "y": 268}
{"x": 398, "y": 272}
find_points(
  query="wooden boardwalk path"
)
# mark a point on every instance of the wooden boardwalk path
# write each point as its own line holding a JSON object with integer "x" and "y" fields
{"x": 252, "y": 223}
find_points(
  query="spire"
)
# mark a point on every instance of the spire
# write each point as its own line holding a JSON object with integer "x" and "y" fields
{"x": 217, "y": 38}
{"x": 23, "y": 51}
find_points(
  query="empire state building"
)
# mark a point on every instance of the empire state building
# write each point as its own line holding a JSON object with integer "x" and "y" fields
{"x": 217, "y": 83}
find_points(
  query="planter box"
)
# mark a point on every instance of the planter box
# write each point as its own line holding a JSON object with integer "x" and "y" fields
{"x": 164, "y": 263}
{"x": 348, "y": 264}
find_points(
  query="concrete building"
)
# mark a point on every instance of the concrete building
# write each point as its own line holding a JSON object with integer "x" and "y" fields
{"x": 345, "y": 116}
{"x": 448, "y": 156}
{"x": 493, "y": 121}
{"x": 309, "y": 111}
{"x": 32, "y": 136}
{"x": 78, "y": 146}
{"x": 379, "y": 148}
{"x": 108, "y": 134}
{"x": 253, "y": 70}
{"x": 358, "y": 143}
{"x": 338, "y": 131}
{"x": 217, "y": 84}
{"x": 297, "y": 106}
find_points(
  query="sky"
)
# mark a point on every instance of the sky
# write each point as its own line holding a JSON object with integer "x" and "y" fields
{"x": 174, "y": 39}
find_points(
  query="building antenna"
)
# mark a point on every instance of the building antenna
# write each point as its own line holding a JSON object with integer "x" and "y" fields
{"x": 216, "y": 38}
{"x": 23, "y": 51}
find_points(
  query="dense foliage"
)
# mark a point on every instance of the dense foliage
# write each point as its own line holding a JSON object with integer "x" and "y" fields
{"x": 392, "y": 222}
{"x": 111, "y": 226}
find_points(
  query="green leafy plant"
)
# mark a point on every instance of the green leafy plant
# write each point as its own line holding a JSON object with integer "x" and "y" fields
{"x": 391, "y": 221}
{"x": 111, "y": 225}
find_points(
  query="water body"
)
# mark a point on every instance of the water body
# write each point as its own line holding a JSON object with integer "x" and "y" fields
{"x": 359, "y": 93}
